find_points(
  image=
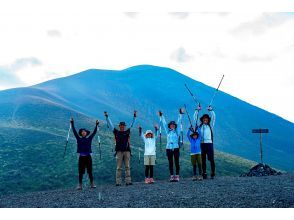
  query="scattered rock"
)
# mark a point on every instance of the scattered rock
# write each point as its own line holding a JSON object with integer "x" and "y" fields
{"x": 261, "y": 170}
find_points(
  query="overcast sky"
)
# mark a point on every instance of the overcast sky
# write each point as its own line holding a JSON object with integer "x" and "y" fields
{"x": 254, "y": 51}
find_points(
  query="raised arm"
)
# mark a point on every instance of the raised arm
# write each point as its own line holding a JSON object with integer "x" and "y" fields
{"x": 74, "y": 129}
{"x": 156, "y": 134}
{"x": 163, "y": 121}
{"x": 141, "y": 132}
{"x": 196, "y": 115}
{"x": 189, "y": 133}
{"x": 109, "y": 122}
{"x": 212, "y": 113}
{"x": 180, "y": 122}
{"x": 95, "y": 130}
{"x": 134, "y": 119}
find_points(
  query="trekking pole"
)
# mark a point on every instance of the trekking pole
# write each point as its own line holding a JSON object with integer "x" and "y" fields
{"x": 99, "y": 144}
{"x": 106, "y": 115}
{"x": 188, "y": 117}
{"x": 160, "y": 137}
{"x": 65, "y": 147}
{"x": 140, "y": 133}
{"x": 181, "y": 127}
{"x": 215, "y": 92}
{"x": 198, "y": 103}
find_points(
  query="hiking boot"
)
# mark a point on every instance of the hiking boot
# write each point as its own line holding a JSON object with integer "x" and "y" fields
{"x": 172, "y": 178}
{"x": 93, "y": 186}
{"x": 118, "y": 184}
{"x": 194, "y": 178}
{"x": 147, "y": 180}
{"x": 151, "y": 180}
{"x": 212, "y": 175}
{"x": 79, "y": 187}
{"x": 200, "y": 178}
{"x": 204, "y": 175}
{"x": 129, "y": 184}
{"x": 177, "y": 178}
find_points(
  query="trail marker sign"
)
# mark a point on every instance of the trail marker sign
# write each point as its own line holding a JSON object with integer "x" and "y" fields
{"x": 260, "y": 131}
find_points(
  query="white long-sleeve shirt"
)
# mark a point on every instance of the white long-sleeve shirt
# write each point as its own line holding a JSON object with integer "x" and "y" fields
{"x": 150, "y": 144}
{"x": 206, "y": 133}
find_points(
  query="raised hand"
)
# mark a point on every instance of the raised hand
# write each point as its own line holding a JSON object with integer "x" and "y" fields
{"x": 105, "y": 114}
{"x": 160, "y": 113}
{"x": 135, "y": 114}
{"x": 198, "y": 107}
{"x": 71, "y": 120}
{"x": 97, "y": 122}
{"x": 181, "y": 111}
{"x": 209, "y": 108}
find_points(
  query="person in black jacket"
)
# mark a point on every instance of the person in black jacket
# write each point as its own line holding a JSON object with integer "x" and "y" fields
{"x": 84, "y": 148}
{"x": 122, "y": 149}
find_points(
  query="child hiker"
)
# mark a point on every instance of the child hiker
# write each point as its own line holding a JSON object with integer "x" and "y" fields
{"x": 206, "y": 132}
{"x": 150, "y": 152}
{"x": 172, "y": 146}
{"x": 84, "y": 142}
{"x": 195, "y": 141}
{"x": 122, "y": 149}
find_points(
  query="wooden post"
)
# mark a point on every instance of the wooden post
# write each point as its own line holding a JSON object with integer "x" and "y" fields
{"x": 260, "y": 132}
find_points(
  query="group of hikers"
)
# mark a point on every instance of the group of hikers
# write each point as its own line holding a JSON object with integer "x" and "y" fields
{"x": 200, "y": 137}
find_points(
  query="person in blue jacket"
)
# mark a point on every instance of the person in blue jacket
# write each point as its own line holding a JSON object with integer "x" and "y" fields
{"x": 172, "y": 146}
{"x": 84, "y": 148}
{"x": 195, "y": 151}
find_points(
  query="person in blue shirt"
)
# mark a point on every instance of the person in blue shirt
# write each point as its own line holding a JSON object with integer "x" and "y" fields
{"x": 194, "y": 138}
{"x": 84, "y": 148}
{"x": 172, "y": 146}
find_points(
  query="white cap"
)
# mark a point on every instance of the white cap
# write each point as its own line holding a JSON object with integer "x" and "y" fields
{"x": 148, "y": 132}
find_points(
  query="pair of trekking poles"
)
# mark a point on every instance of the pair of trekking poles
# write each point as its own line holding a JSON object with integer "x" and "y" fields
{"x": 198, "y": 103}
{"x": 67, "y": 140}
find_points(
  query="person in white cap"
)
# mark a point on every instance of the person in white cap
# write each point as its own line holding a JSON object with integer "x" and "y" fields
{"x": 150, "y": 153}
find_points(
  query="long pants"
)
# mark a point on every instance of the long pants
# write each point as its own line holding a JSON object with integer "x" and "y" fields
{"x": 149, "y": 168}
{"x": 171, "y": 156}
{"x": 85, "y": 162}
{"x": 196, "y": 161}
{"x": 207, "y": 151}
{"x": 123, "y": 157}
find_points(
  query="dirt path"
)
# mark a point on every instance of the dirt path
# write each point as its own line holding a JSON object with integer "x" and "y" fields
{"x": 273, "y": 191}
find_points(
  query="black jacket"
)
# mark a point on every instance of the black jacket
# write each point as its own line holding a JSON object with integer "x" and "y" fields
{"x": 84, "y": 143}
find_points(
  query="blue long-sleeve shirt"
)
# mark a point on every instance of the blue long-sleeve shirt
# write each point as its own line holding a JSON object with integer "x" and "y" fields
{"x": 172, "y": 134}
{"x": 194, "y": 143}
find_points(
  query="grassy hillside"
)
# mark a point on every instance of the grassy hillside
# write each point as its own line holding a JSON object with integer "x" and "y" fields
{"x": 32, "y": 161}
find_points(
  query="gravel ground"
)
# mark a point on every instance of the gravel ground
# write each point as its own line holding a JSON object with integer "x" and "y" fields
{"x": 271, "y": 191}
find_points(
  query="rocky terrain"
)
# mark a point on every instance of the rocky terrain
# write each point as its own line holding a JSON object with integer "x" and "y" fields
{"x": 268, "y": 191}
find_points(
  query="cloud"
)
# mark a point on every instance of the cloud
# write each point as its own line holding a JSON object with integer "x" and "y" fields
{"x": 9, "y": 74}
{"x": 261, "y": 24}
{"x": 180, "y": 55}
{"x": 23, "y": 63}
{"x": 131, "y": 14}
{"x": 7, "y": 78}
{"x": 248, "y": 58}
{"x": 54, "y": 33}
{"x": 179, "y": 15}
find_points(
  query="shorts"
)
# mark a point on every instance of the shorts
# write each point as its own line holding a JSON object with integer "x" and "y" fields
{"x": 196, "y": 159}
{"x": 149, "y": 160}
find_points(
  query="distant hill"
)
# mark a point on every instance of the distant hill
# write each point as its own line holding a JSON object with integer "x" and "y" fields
{"x": 34, "y": 122}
